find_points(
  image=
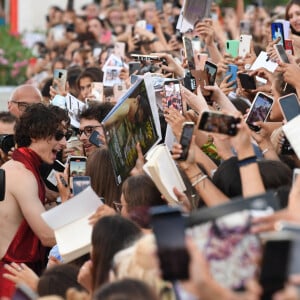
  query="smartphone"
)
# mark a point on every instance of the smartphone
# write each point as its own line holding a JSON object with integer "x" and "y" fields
{"x": 189, "y": 53}
{"x": 232, "y": 71}
{"x": 24, "y": 292}
{"x": 2, "y": 184}
{"x": 141, "y": 24}
{"x": 173, "y": 94}
{"x": 281, "y": 53}
{"x": 288, "y": 45}
{"x": 245, "y": 44}
{"x": 289, "y": 106}
{"x": 134, "y": 66}
{"x": 232, "y": 47}
{"x": 245, "y": 27}
{"x": 77, "y": 167}
{"x": 94, "y": 138}
{"x": 76, "y": 145}
{"x": 277, "y": 31}
{"x": 259, "y": 110}
{"x": 247, "y": 82}
{"x": 159, "y": 4}
{"x": 80, "y": 183}
{"x": 211, "y": 70}
{"x": 59, "y": 79}
{"x": 149, "y": 58}
{"x": 119, "y": 49}
{"x": 185, "y": 139}
{"x": 169, "y": 229}
{"x": 56, "y": 167}
{"x": 97, "y": 91}
{"x": 274, "y": 267}
{"x": 216, "y": 122}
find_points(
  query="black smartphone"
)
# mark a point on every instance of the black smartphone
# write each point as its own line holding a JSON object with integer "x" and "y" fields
{"x": 281, "y": 53}
{"x": 274, "y": 267}
{"x": 218, "y": 123}
{"x": 286, "y": 147}
{"x": 2, "y": 184}
{"x": 289, "y": 105}
{"x": 94, "y": 138}
{"x": 80, "y": 183}
{"x": 211, "y": 70}
{"x": 169, "y": 229}
{"x": 173, "y": 94}
{"x": 247, "y": 81}
{"x": 259, "y": 110}
{"x": 277, "y": 31}
{"x": 134, "y": 66}
{"x": 189, "y": 53}
{"x": 77, "y": 167}
{"x": 185, "y": 139}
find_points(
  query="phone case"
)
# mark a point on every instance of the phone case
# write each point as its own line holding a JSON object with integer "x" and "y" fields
{"x": 211, "y": 71}
{"x": 185, "y": 139}
{"x": 59, "y": 79}
{"x": 94, "y": 138}
{"x": 232, "y": 71}
{"x": 259, "y": 110}
{"x": 189, "y": 53}
{"x": 232, "y": 47}
{"x": 247, "y": 81}
{"x": 289, "y": 106}
{"x": 245, "y": 44}
{"x": 280, "y": 51}
{"x": 97, "y": 91}
{"x": 288, "y": 45}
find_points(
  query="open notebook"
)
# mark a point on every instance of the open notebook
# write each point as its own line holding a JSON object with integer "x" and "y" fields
{"x": 70, "y": 224}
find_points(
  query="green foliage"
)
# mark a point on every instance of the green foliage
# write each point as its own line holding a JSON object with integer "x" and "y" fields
{"x": 14, "y": 58}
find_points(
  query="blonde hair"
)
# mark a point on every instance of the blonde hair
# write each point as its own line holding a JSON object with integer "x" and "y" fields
{"x": 140, "y": 262}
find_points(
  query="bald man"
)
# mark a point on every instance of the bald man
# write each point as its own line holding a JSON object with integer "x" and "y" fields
{"x": 22, "y": 97}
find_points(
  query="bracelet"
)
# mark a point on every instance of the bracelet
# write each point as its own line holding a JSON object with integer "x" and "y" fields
{"x": 265, "y": 151}
{"x": 199, "y": 180}
{"x": 198, "y": 174}
{"x": 246, "y": 161}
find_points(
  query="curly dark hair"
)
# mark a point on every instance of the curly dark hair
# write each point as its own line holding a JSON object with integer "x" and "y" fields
{"x": 37, "y": 122}
{"x": 96, "y": 111}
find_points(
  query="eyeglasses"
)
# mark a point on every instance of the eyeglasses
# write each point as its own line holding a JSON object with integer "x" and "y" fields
{"x": 59, "y": 135}
{"x": 118, "y": 206}
{"x": 87, "y": 130}
{"x": 21, "y": 105}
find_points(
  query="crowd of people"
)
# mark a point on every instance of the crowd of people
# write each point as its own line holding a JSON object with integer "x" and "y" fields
{"x": 124, "y": 260}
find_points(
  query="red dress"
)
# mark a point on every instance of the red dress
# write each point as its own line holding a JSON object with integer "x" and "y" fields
{"x": 25, "y": 246}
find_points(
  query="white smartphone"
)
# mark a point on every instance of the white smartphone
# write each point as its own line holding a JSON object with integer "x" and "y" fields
{"x": 245, "y": 44}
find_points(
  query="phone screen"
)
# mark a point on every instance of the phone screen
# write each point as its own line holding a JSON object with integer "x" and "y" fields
{"x": 173, "y": 94}
{"x": 290, "y": 106}
{"x": 277, "y": 31}
{"x": 189, "y": 53}
{"x": 259, "y": 110}
{"x": 77, "y": 167}
{"x": 185, "y": 139}
{"x": 211, "y": 70}
{"x": 218, "y": 123}
{"x": 169, "y": 230}
{"x": 80, "y": 183}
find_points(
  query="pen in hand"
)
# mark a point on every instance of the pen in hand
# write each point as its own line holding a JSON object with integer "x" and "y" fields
{"x": 63, "y": 181}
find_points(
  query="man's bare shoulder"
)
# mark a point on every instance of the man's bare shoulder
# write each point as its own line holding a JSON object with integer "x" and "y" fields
{"x": 15, "y": 167}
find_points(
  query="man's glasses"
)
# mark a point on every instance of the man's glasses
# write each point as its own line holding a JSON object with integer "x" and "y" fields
{"x": 59, "y": 135}
{"x": 87, "y": 130}
{"x": 21, "y": 105}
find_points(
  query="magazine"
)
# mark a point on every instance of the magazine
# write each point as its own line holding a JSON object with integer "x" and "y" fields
{"x": 74, "y": 107}
{"x": 133, "y": 120}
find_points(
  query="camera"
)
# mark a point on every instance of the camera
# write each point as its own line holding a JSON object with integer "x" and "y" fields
{"x": 7, "y": 141}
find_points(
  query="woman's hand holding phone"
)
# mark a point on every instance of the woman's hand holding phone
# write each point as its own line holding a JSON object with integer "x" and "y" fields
{"x": 62, "y": 184}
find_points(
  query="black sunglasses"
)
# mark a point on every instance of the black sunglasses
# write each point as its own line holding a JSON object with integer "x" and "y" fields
{"x": 59, "y": 135}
